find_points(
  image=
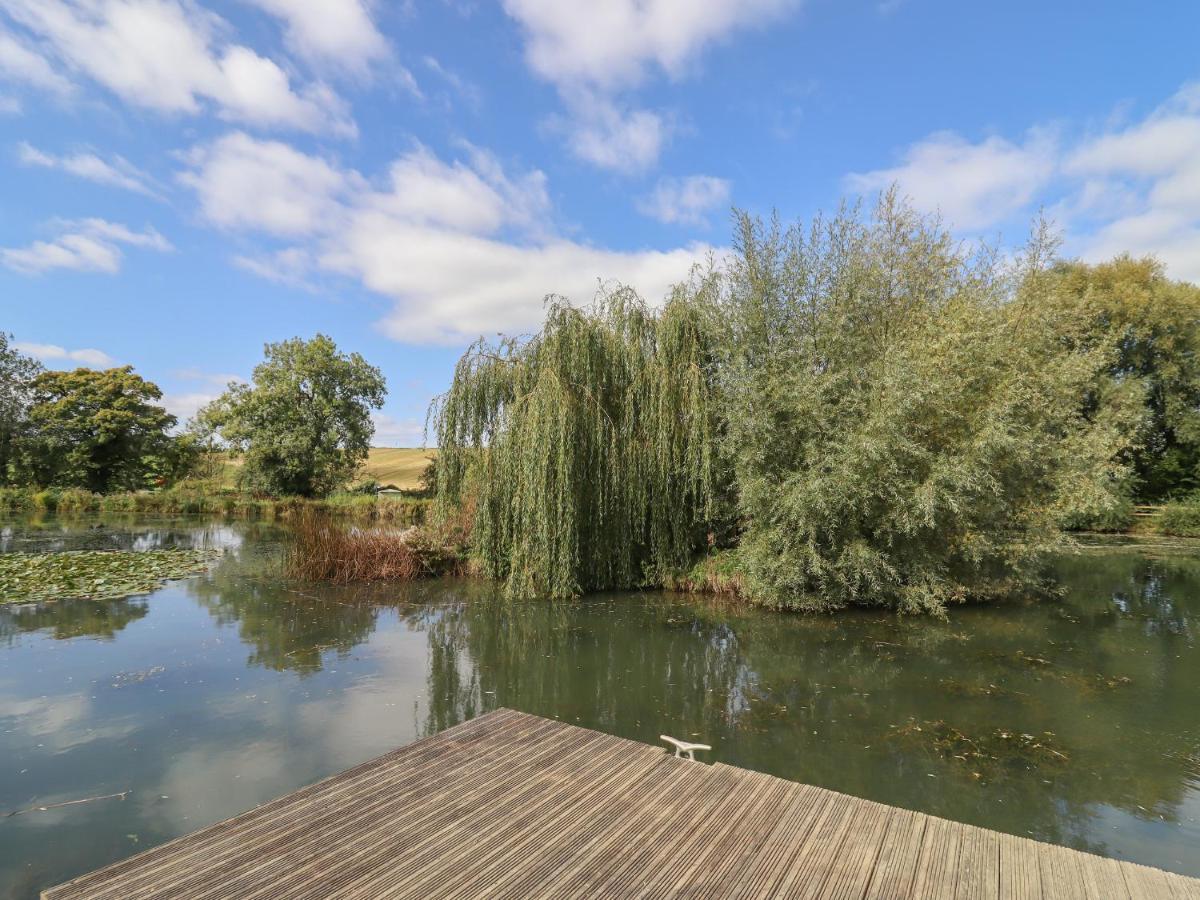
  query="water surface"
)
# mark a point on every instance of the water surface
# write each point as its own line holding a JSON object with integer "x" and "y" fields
{"x": 1076, "y": 722}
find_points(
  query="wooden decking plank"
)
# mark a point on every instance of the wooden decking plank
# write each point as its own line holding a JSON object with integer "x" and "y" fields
{"x": 321, "y": 823}
{"x": 720, "y": 838}
{"x": 515, "y": 806}
{"x": 852, "y": 865}
{"x": 585, "y": 833}
{"x": 804, "y": 811}
{"x": 1102, "y": 877}
{"x": 476, "y": 852}
{"x": 650, "y": 841}
{"x": 829, "y": 863}
{"x": 306, "y": 833}
{"x": 1060, "y": 873}
{"x": 407, "y": 829}
{"x": 601, "y": 848}
{"x": 1020, "y": 871}
{"x": 978, "y": 865}
{"x": 458, "y": 831}
{"x": 233, "y": 831}
{"x": 803, "y": 864}
{"x": 552, "y": 830}
{"x": 1145, "y": 883}
{"x": 937, "y": 864}
{"x": 896, "y": 868}
{"x": 714, "y": 873}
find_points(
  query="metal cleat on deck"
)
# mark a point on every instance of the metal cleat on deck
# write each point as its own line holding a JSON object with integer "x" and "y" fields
{"x": 684, "y": 748}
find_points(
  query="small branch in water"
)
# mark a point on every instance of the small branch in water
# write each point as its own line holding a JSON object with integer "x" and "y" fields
{"x": 16, "y": 812}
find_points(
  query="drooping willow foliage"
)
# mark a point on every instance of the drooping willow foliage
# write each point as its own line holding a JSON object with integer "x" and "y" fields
{"x": 873, "y": 412}
{"x": 589, "y": 451}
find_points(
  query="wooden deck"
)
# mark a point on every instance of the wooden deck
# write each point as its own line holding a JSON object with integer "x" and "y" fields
{"x": 515, "y": 806}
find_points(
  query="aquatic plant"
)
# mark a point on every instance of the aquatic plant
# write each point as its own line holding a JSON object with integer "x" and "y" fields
{"x": 322, "y": 549}
{"x": 93, "y": 574}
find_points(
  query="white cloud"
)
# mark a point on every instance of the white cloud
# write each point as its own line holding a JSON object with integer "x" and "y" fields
{"x": 612, "y": 44}
{"x": 973, "y": 185}
{"x": 86, "y": 245}
{"x": 601, "y": 132}
{"x": 119, "y": 173}
{"x": 593, "y": 51}
{"x": 475, "y": 196}
{"x": 685, "y": 201}
{"x": 185, "y": 406}
{"x": 391, "y": 431}
{"x": 170, "y": 56}
{"x": 291, "y": 267}
{"x": 243, "y": 182}
{"x": 1129, "y": 188}
{"x": 462, "y": 247}
{"x": 19, "y": 63}
{"x": 337, "y": 33}
{"x": 52, "y": 353}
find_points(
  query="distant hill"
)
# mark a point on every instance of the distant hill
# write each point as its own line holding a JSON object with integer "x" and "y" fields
{"x": 399, "y": 466}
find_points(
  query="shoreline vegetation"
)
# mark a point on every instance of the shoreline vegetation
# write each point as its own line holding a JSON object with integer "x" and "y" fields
{"x": 861, "y": 410}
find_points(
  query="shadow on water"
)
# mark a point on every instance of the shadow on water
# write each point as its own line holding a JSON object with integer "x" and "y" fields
{"x": 1072, "y": 721}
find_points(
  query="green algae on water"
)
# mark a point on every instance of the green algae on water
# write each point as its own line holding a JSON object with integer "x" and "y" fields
{"x": 93, "y": 574}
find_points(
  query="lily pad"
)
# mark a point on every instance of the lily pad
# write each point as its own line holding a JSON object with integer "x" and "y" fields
{"x": 94, "y": 574}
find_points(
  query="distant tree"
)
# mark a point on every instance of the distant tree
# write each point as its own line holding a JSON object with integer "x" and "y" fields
{"x": 303, "y": 426}
{"x": 96, "y": 429}
{"x": 1150, "y": 327}
{"x": 17, "y": 373}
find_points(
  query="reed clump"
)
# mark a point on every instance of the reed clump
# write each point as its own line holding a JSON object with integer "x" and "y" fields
{"x": 324, "y": 549}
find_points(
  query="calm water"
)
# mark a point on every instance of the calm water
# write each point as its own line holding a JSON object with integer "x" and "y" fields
{"x": 1075, "y": 722}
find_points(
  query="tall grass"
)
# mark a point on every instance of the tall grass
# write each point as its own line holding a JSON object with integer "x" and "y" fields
{"x": 204, "y": 499}
{"x": 323, "y": 549}
{"x": 1181, "y": 517}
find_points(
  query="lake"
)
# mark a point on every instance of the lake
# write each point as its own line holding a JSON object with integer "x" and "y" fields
{"x": 1075, "y": 721}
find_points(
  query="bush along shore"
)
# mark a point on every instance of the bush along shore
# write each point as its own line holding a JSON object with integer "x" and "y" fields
{"x": 187, "y": 500}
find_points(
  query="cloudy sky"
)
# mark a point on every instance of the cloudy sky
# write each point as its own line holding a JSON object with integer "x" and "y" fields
{"x": 183, "y": 181}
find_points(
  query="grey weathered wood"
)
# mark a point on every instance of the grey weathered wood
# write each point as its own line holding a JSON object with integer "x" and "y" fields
{"x": 514, "y": 806}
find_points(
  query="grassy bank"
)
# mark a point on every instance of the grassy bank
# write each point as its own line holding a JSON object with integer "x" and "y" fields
{"x": 211, "y": 500}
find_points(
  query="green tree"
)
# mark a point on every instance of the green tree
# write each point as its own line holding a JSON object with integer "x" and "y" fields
{"x": 17, "y": 373}
{"x": 905, "y": 422}
{"x": 303, "y": 426}
{"x": 1150, "y": 326}
{"x": 96, "y": 429}
{"x": 587, "y": 452}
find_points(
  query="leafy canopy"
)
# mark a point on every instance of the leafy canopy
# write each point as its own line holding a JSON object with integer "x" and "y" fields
{"x": 1150, "y": 328}
{"x": 905, "y": 421}
{"x": 303, "y": 424}
{"x": 588, "y": 451}
{"x": 101, "y": 430}
{"x": 17, "y": 372}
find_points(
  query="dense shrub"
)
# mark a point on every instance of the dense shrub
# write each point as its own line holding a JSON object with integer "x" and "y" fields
{"x": 1180, "y": 517}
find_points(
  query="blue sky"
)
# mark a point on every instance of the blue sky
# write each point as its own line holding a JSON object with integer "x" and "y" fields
{"x": 184, "y": 181}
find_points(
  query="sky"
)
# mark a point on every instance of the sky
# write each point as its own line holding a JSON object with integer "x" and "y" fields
{"x": 183, "y": 181}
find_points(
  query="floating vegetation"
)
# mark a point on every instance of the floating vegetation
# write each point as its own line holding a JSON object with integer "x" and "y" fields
{"x": 973, "y": 689}
{"x": 987, "y": 754}
{"x": 93, "y": 574}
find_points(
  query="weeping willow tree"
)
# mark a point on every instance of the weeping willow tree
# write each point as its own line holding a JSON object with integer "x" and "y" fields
{"x": 587, "y": 454}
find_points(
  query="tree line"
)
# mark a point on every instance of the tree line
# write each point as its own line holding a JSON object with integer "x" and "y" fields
{"x": 867, "y": 409}
{"x": 302, "y": 426}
